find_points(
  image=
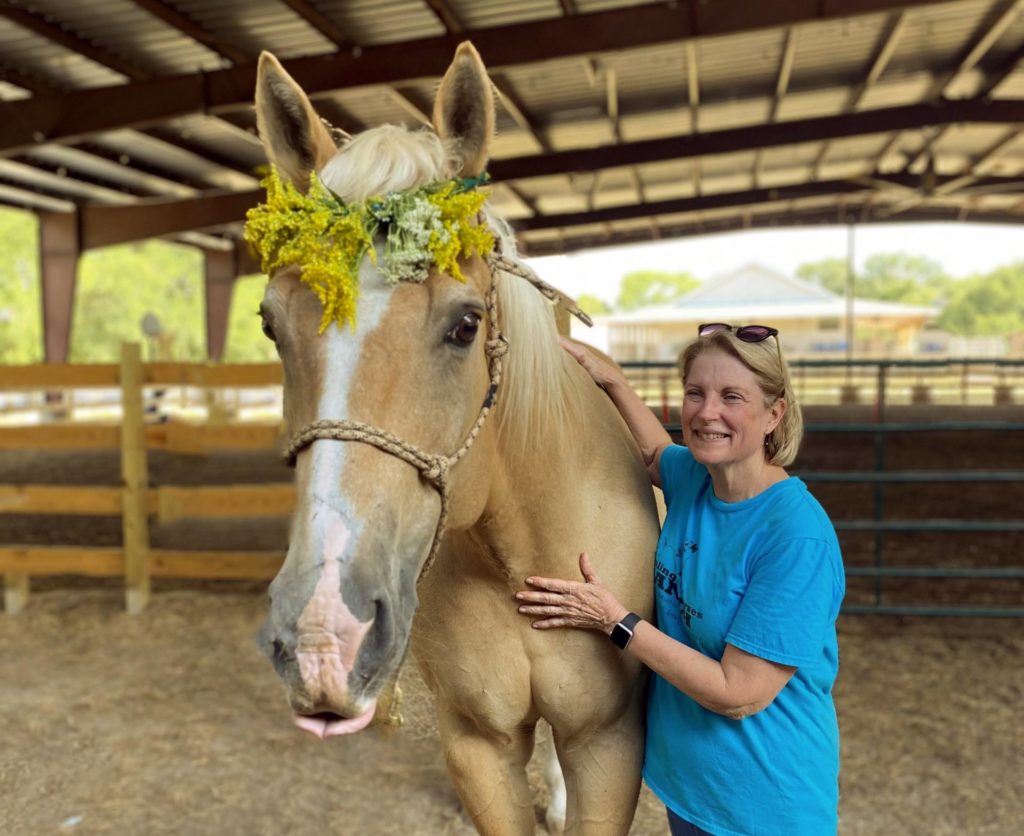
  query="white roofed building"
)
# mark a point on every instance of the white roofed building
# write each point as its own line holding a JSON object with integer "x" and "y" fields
{"x": 811, "y": 320}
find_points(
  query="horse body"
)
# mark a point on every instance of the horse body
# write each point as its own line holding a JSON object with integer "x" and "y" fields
{"x": 552, "y": 473}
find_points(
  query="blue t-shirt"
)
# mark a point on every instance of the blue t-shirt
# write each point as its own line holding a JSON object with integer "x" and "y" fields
{"x": 766, "y": 576}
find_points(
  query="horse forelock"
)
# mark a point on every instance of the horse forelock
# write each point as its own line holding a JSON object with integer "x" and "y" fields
{"x": 388, "y": 158}
{"x": 533, "y": 400}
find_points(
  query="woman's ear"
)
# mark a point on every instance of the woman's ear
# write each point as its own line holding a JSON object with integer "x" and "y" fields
{"x": 464, "y": 109}
{"x": 777, "y": 410}
{"x": 296, "y": 141}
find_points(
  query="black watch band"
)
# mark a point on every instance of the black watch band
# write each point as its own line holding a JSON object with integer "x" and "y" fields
{"x": 623, "y": 631}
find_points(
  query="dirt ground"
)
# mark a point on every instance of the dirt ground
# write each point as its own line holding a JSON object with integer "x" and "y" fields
{"x": 171, "y": 722}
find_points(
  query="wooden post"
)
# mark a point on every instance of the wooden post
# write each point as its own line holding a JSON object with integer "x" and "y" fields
{"x": 135, "y": 477}
{"x": 15, "y": 592}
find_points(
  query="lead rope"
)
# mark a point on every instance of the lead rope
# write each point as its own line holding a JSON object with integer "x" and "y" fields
{"x": 432, "y": 467}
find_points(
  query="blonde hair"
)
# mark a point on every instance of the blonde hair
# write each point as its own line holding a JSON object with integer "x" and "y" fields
{"x": 769, "y": 367}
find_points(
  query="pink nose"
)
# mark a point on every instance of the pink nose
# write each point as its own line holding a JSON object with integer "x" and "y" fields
{"x": 326, "y": 659}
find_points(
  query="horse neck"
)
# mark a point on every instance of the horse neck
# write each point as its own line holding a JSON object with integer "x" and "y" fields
{"x": 543, "y": 496}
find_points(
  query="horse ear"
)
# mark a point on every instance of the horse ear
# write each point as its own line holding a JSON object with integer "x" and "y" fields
{"x": 295, "y": 139}
{"x": 464, "y": 109}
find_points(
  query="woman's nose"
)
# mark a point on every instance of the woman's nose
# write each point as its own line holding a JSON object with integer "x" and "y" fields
{"x": 709, "y": 407}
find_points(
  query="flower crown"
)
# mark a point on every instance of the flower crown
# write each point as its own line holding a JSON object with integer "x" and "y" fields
{"x": 434, "y": 224}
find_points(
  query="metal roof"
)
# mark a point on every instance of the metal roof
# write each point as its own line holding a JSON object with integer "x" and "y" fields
{"x": 618, "y": 121}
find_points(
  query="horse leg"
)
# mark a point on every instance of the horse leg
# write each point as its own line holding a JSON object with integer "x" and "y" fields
{"x": 554, "y": 815}
{"x": 488, "y": 769}
{"x": 601, "y": 768}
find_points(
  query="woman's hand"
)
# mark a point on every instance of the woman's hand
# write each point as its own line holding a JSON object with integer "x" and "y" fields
{"x": 604, "y": 373}
{"x": 589, "y": 605}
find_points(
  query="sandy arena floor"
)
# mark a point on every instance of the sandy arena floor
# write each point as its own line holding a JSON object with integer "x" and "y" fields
{"x": 172, "y": 723}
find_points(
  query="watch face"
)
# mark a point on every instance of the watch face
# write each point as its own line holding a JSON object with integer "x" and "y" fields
{"x": 620, "y": 636}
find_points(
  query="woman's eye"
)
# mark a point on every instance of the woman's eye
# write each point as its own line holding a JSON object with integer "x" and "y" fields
{"x": 465, "y": 331}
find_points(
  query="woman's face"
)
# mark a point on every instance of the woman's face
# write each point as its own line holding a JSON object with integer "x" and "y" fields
{"x": 725, "y": 419}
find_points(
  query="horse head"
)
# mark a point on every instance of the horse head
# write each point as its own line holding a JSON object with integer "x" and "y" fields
{"x": 387, "y": 380}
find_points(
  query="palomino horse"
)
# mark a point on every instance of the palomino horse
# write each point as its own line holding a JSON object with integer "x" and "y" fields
{"x": 403, "y": 371}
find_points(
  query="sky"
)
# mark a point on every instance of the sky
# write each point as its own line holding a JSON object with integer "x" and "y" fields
{"x": 961, "y": 248}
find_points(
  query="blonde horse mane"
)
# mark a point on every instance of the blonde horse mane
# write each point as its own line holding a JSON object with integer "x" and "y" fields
{"x": 538, "y": 398}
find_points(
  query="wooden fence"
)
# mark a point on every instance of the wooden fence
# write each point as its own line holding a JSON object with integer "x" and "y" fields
{"x": 134, "y": 501}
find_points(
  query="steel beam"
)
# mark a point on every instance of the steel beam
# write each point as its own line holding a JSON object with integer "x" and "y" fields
{"x": 77, "y": 114}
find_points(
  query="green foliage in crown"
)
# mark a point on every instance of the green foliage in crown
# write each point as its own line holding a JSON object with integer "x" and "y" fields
{"x": 434, "y": 225}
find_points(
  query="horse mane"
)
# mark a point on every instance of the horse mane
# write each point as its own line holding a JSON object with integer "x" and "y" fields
{"x": 538, "y": 397}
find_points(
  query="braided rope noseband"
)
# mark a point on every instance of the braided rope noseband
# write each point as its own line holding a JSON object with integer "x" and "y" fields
{"x": 434, "y": 468}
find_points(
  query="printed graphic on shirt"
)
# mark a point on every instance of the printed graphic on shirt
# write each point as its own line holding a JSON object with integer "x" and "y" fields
{"x": 670, "y": 582}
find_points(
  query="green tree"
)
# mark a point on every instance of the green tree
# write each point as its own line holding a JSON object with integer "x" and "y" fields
{"x": 118, "y": 286}
{"x": 890, "y": 277}
{"x": 245, "y": 340}
{"x": 830, "y": 273}
{"x": 900, "y": 277}
{"x": 991, "y": 304}
{"x": 593, "y": 305}
{"x": 20, "y": 310}
{"x": 647, "y": 288}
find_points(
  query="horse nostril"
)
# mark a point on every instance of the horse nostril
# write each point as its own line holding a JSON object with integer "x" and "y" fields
{"x": 279, "y": 655}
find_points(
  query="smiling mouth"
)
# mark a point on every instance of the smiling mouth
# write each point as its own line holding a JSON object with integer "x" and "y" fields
{"x": 706, "y": 436}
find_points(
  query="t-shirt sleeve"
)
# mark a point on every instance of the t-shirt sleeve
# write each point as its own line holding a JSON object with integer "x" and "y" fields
{"x": 676, "y": 467}
{"x": 791, "y": 603}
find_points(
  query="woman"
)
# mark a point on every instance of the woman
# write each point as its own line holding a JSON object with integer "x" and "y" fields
{"x": 741, "y": 729}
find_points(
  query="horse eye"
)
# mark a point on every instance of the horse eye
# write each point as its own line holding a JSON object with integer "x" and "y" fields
{"x": 268, "y": 332}
{"x": 465, "y": 332}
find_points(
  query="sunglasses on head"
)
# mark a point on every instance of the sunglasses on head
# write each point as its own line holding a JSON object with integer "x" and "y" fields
{"x": 747, "y": 333}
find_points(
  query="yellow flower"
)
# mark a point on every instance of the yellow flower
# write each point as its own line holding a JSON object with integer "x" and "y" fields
{"x": 329, "y": 238}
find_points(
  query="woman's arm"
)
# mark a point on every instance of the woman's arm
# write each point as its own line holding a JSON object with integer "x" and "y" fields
{"x": 739, "y": 685}
{"x": 647, "y": 430}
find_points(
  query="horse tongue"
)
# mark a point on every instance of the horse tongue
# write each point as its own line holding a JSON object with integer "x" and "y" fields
{"x": 331, "y": 725}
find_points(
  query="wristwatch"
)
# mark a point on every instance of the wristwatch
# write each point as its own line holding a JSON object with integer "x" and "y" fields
{"x": 623, "y": 631}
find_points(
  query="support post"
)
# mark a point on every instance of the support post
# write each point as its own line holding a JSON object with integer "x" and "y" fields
{"x": 850, "y": 281}
{"x": 135, "y": 478}
{"x": 59, "y": 249}
{"x": 220, "y": 274}
{"x": 16, "y": 587}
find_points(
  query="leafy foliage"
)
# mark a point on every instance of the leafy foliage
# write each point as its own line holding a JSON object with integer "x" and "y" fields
{"x": 889, "y": 277}
{"x": 987, "y": 305}
{"x": 20, "y": 311}
{"x": 647, "y": 288}
{"x": 593, "y": 305}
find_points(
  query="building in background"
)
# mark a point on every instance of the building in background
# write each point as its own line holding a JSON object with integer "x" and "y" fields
{"x": 811, "y": 320}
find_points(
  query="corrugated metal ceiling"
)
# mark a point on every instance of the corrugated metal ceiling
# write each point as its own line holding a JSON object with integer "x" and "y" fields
{"x": 751, "y": 67}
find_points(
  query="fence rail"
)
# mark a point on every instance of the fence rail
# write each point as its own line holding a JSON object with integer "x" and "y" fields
{"x": 136, "y": 502}
{"x": 959, "y": 382}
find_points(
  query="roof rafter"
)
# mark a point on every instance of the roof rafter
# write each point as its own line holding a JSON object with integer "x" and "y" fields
{"x": 517, "y": 110}
{"x": 449, "y": 19}
{"x": 319, "y": 21}
{"x": 750, "y": 138}
{"x": 851, "y": 213}
{"x": 55, "y": 34}
{"x": 188, "y": 27}
{"x": 968, "y": 60}
{"x": 723, "y": 200}
{"x": 231, "y": 207}
{"x": 86, "y": 111}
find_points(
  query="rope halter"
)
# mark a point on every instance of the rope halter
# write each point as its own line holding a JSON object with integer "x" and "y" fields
{"x": 434, "y": 468}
